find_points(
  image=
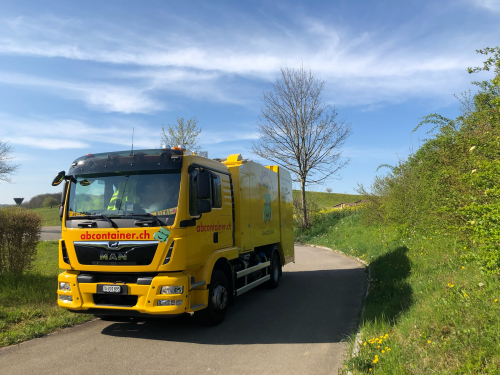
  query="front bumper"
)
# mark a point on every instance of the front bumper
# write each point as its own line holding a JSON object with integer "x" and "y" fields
{"x": 140, "y": 299}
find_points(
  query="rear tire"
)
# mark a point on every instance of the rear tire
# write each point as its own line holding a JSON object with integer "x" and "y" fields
{"x": 274, "y": 271}
{"x": 218, "y": 297}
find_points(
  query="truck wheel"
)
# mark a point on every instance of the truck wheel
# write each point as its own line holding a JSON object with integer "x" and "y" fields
{"x": 274, "y": 271}
{"x": 218, "y": 297}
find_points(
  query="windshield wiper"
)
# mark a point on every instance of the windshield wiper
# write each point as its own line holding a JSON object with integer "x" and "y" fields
{"x": 157, "y": 221}
{"x": 95, "y": 216}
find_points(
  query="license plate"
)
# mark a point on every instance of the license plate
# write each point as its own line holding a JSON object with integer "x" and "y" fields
{"x": 116, "y": 289}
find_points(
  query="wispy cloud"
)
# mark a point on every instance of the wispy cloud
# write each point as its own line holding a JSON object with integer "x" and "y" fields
{"x": 103, "y": 97}
{"x": 361, "y": 67}
{"x": 493, "y": 5}
{"x": 54, "y": 134}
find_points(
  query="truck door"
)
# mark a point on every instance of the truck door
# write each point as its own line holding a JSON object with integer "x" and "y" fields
{"x": 205, "y": 236}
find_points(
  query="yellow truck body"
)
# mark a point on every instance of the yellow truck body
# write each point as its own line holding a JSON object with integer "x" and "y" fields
{"x": 123, "y": 255}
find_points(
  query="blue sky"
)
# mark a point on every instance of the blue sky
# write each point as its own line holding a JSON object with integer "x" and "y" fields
{"x": 76, "y": 77}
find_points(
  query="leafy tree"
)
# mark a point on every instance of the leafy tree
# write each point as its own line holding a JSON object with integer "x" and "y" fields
{"x": 299, "y": 132}
{"x": 50, "y": 202}
{"x": 37, "y": 200}
{"x": 329, "y": 190}
{"x": 6, "y": 167}
{"x": 184, "y": 134}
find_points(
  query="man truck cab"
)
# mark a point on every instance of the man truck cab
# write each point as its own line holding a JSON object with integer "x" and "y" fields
{"x": 168, "y": 232}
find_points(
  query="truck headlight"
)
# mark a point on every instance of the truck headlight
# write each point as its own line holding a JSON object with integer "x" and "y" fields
{"x": 178, "y": 289}
{"x": 64, "y": 286}
{"x": 62, "y": 297}
{"x": 169, "y": 302}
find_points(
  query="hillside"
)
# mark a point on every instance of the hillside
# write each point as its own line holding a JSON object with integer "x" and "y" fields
{"x": 328, "y": 200}
{"x": 50, "y": 216}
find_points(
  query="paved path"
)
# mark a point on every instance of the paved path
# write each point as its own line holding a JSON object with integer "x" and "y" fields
{"x": 295, "y": 329}
{"x": 51, "y": 233}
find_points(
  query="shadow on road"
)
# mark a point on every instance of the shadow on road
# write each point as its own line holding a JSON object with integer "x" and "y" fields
{"x": 308, "y": 307}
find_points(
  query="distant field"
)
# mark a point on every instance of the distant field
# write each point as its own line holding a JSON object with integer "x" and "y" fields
{"x": 50, "y": 216}
{"x": 328, "y": 200}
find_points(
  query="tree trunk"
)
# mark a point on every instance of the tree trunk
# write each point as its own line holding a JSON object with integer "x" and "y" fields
{"x": 305, "y": 221}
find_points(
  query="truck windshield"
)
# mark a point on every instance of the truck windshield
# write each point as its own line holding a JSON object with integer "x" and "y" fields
{"x": 127, "y": 194}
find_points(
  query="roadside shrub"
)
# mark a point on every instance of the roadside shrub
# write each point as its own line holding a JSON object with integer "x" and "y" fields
{"x": 450, "y": 185}
{"x": 38, "y": 200}
{"x": 19, "y": 235}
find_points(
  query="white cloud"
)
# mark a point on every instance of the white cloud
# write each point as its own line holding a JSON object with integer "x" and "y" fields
{"x": 104, "y": 97}
{"x": 493, "y": 5}
{"x": 361, "y": 67}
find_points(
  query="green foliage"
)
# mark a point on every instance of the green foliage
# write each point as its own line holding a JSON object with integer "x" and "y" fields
{"x": 19, "y": 235}
{"x": 183, "y": 134}
{"x": 433, "y": 310}
{"x": 50, "y": 202}
{"x": 37, "y": 200}
{"x": 28, "y": 301}
{"x": 450, "y": 183}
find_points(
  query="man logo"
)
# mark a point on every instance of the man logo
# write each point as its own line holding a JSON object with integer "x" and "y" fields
{"x": 113, "y": 244}
{"x": 113, "y": 256}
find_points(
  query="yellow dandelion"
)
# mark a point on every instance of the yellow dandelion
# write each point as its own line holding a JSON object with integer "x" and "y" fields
{"x": 463, "y": 267}
{"x": 364, "y": 344}
{"x": 495, "y": 300}
{"x": 465, "y": 294}
{"x": 429, "y": 341}
{"x": 383, "y": 351}
{"x": 388, "y": 349}
{"x": 378, "y": 346}
{"x": 370, "y": 369}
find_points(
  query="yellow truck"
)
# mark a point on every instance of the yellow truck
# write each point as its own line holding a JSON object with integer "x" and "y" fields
{"x": 166, "y": 232}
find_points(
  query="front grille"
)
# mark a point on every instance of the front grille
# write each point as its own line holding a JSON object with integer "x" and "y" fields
{"x": 135, "y": 254}
{"x": 115, "y": 300}
{"x": 118, "y": 278}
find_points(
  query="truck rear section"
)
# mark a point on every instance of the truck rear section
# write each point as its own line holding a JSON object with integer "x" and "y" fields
{"x": 164, "y": 232}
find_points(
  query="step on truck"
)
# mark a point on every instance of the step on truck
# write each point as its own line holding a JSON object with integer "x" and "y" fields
{"x": 166, "y": 232}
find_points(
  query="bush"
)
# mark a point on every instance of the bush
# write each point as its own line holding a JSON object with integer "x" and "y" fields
{"x": 19, "y": 235}
{"x": 450, "y": 185}
{"x": 38, "y": 200}
{"x": 50, "y": 202}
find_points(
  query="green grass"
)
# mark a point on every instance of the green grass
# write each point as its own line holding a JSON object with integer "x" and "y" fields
{"x": 50, "y": 216}
{"x": 328, "y": 200}
{"x": 28, "y": 302}
{"x": 438, "y": 311}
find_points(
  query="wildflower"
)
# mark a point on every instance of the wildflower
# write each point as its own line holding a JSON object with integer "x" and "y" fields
{"x": 364, "y": 344}
{"x": 495, "y": 300}
{"x": 474, "y": 170}
{"x": 463, "y": 267}
{"x": 429, "y": 341}
{"x": 378, "y": 346}
{"x": 388, "y": 349}
{"x": 472, "y": 148}
{"x": 481, "y": 284}
{"x": 383, "y": 351}
{"x": 370, "y": 369}
{"x": 465, "y": 294}
{"x": 473, "y": 222}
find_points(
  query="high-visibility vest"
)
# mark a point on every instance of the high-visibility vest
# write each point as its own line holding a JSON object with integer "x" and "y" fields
{"x": 127, "y": 191}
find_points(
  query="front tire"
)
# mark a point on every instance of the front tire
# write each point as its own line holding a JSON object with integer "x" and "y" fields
{"x": 218, "y": 297}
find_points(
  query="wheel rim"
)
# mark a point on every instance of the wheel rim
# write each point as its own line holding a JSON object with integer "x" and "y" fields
{"x": 276, "y": 271}
{"x": 219, "y": 298}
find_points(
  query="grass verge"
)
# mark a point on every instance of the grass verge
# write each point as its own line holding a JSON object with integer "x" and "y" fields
{"x": 428, "y": 310}
{"x": 28, "y": 301}
{"x": 50, "y": 216}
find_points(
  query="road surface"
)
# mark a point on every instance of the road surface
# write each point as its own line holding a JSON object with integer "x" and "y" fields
{"x": 51, "y": 233}
{"x": 295, "y": 329}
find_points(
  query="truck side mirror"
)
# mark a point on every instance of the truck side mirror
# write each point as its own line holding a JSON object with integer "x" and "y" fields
{"x": 203, "y": 185}
{"x": 59, "y": 178}
{"x": 204, "y": 207}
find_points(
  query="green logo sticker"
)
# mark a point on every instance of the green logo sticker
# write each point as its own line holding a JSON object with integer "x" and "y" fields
{"x": 161, "y": 235}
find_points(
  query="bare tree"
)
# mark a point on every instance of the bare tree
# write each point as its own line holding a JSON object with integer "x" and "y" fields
{"x": 329, "y": 190}
{"x": 299, "y": 132}
{"x": 6, "y": 167}
{"x": 182, "y": 134}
